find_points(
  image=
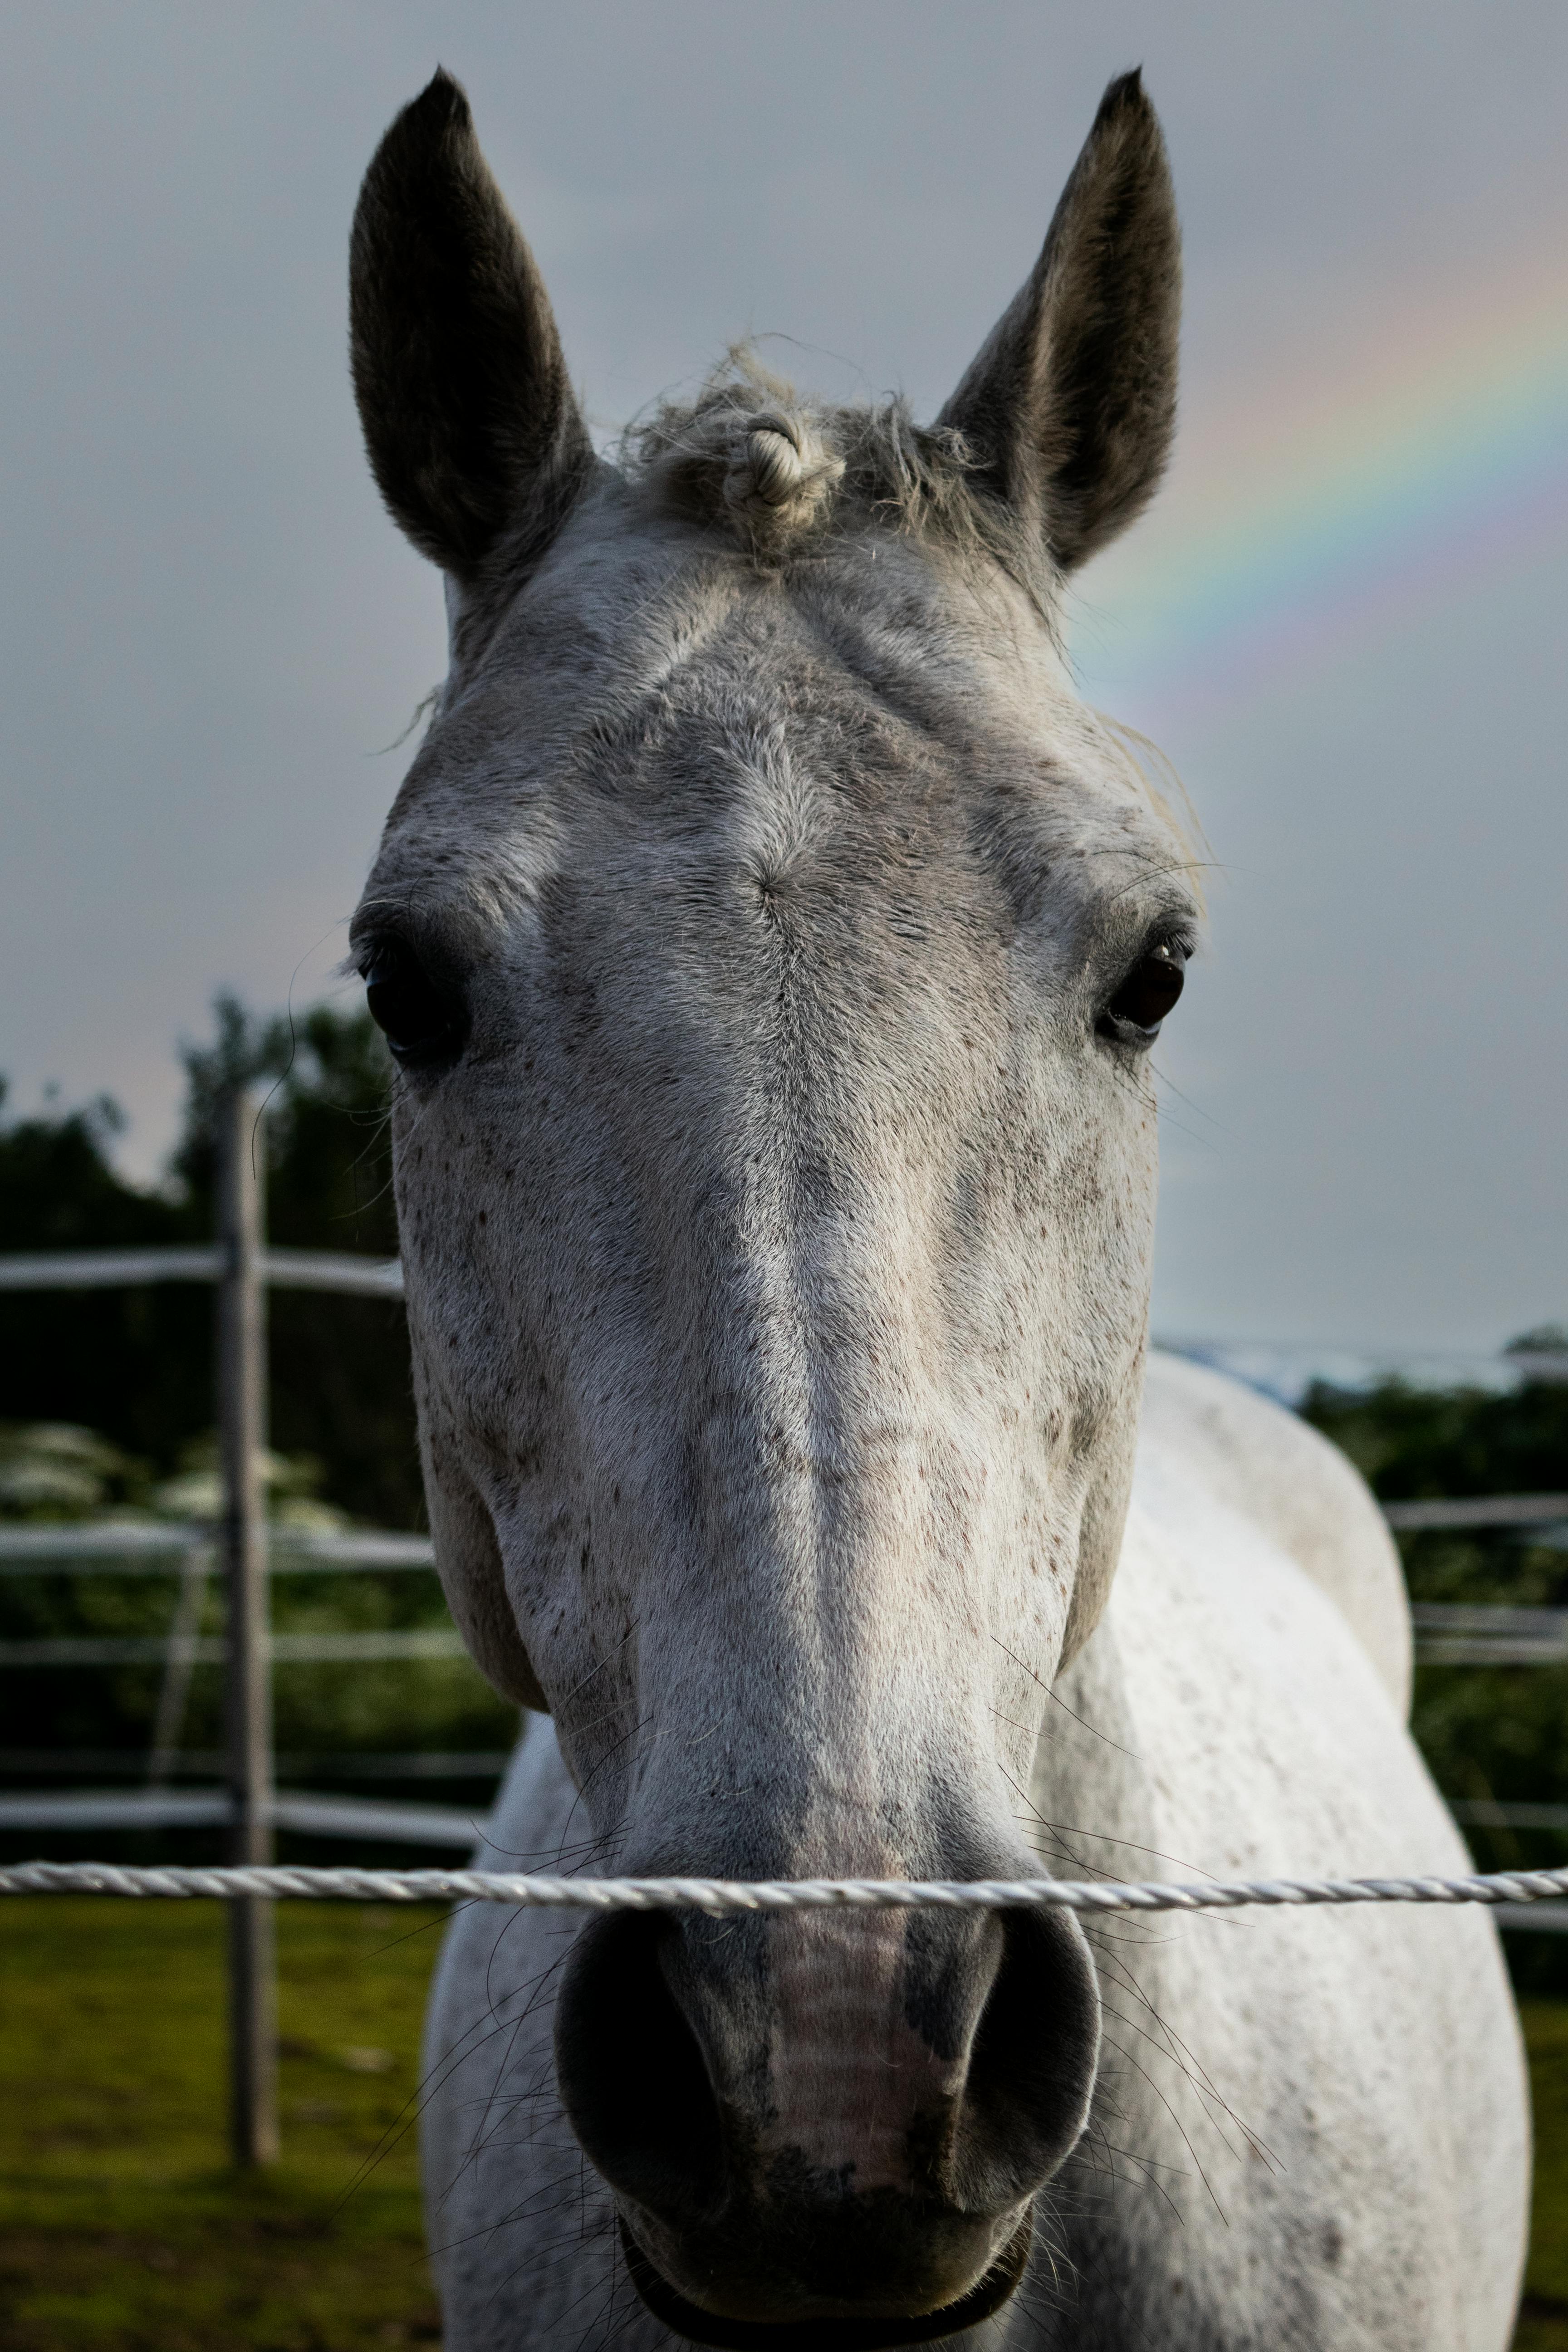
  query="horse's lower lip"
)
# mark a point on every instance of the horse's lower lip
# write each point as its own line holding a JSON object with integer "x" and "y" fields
{"x": 849, "y": 2335}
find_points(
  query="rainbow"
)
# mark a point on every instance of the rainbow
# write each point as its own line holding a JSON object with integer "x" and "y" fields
{"x": 1301, "y": 519}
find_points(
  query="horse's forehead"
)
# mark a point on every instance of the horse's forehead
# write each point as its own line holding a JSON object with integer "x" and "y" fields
{"x": 712, "y": 701}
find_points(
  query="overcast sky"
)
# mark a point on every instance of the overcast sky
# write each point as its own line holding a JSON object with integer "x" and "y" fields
{"x": 1344, "y": 623}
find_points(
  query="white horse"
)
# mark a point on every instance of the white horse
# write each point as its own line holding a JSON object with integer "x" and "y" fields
{"x": 772, "y": 944}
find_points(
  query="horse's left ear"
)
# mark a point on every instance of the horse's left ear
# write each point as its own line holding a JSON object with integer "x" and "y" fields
{"x": 1069, "y": 408}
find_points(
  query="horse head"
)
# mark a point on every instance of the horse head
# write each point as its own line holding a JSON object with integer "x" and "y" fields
{"x": 771, "y": 943}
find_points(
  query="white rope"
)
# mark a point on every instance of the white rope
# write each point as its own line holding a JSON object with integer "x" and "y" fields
{"x": 718, "y": 1895}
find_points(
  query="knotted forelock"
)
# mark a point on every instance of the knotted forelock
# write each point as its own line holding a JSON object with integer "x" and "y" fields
{"x": 780, "y": 475}
{"x": 770, "y": 472}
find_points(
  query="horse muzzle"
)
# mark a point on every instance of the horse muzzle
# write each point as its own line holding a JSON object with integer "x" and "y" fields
{"x": 821, "y": 2334}
{"x": 827, "y": 2128}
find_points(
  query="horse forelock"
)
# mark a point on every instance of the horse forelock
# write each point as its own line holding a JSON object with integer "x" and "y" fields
{"x": 750, "y": 455}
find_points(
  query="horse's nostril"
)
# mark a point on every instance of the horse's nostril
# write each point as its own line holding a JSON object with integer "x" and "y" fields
{"x": 632, "y": 2072}
{"x": 1031, "y": 2063}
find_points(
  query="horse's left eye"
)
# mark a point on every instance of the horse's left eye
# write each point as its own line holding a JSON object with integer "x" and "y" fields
{"x": 421, "y": 1022}
{"x": 1134, "y": 1014}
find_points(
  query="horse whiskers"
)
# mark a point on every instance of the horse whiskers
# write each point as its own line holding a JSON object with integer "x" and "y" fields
{"x": 570, "y": 2186}
{"x": 1137, "y": 1935}
{"x": 1147, "y": 2165}
{"x": 1179, "y": 2052}
{"x": 1046, "y": 1690}
{"x": 1187, "y": 2138}
{"x": 493, "y": 2117}
{"x": 609, "y": 1756}
{"x": 1035, "y": 2295}
{"x": 552, "y": 1857}
{"x": 1095, "y": 2265}
{"x": 1170, "y": 2109}
{"x": 534, "y": 1994}
{"x": 1169, "y": 2046}
{"x": 493, "y": 2024}
{"x": 1040, "y": 1822}
{"x": 1104, "y": 1837}
{"x": 414, "y": 2106}
{"x": 594, "y": 2286}
{"x": 621, "y": 2292}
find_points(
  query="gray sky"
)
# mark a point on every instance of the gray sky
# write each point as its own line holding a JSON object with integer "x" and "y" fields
{"x": 1344, "y": 622}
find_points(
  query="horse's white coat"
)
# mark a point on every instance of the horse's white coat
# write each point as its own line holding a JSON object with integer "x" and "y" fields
{"x": 1310, "y": 2134}
{"x": 766, "y": 925}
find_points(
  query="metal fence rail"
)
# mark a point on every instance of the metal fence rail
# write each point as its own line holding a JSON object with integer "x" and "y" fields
{"x": 1507, "y": 1814}
{"x": 212, "y": 1649}
{"x": 1463, "y": 1636}
{"x": 197, "y": 1763}
{"x": 305, "y": 1810}
{"x": 118, "y": 1269}
{"x": 1454, "y": 1511}
{"x": 1451, "y": 1637}
{"x": 146, "y": 1547}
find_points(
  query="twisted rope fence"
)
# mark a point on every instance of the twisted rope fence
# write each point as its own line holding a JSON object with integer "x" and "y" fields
{"x": 720, "y": 1896}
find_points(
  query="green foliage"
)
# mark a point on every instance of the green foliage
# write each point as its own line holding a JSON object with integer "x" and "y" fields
{"x": 53, "y": 1470}
{"x": 1411, "y": 1442}
{"x": 106, "y": 1404}
{"x": 54, "y": 1473}
{"x": 135, "y": 1365}
{"x": 1486, "y": 1732}
{"x": 329, "y": 1183}
{"x": 340, "y": 1388}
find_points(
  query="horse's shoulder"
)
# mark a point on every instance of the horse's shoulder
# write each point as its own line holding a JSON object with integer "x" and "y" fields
{"x": 1268, "y": 1467}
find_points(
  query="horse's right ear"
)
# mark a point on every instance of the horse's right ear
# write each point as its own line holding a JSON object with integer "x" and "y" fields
{"x": 473, "y": 434}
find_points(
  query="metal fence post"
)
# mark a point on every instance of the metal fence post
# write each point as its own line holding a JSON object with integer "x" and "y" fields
{"x": 242, "y": 1428}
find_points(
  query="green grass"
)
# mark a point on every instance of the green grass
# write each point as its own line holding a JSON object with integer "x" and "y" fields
{"x": 122, "y": 2227}
{"x": 1543, "y": 2323}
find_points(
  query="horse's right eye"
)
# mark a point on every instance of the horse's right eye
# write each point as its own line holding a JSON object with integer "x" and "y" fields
{"x": 422, "y": 1024}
